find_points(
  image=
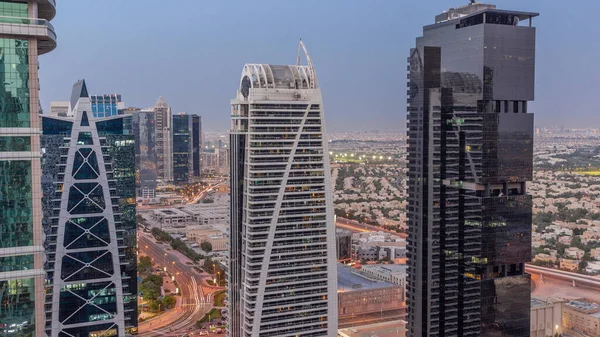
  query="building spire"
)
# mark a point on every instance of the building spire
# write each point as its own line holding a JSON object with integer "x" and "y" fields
{"x": 313, "y": 74}
{"x": 161, "y": 103}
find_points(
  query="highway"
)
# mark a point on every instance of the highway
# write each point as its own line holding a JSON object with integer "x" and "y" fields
{"x": 204, "y": 192}
{"x": 192, "y": 304}
{"x": 355, "y": 226}
{"x": 553, "y": 283}
{"x": 582, "y": 280}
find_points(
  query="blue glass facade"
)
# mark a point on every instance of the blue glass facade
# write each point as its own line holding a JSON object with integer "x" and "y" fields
{"x": 105, "y": 105}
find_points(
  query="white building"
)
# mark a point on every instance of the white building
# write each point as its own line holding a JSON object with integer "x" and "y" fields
{"x": 164, "y": 140}
{"x": 282, "y": 271}
{"x": 546, "y": 317}
{"x": 171, "y": 216}
{"x": 392, "y": 273}
{"x": 593, "y": 268}
{"x": 207, "y": 214}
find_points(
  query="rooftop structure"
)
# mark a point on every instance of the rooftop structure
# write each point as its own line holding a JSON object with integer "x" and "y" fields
{"x": 349, "y": 279}
{"x": 583, "y": 317}
{"x": 207, "y": 214}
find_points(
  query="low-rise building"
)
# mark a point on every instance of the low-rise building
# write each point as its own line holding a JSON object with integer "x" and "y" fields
{"x": 591, "y": 235}
{"x": 546, "y": 317}
{"x": 574, "y": 252}
{"x": 583, "y": 317}
{"x": 392, "y": 273}
{"x": 171, "y": 216}
{"x": 358, "y": 295}
{"x": 571, "y": 265}
{"x": 565, "y": 240}
{"x": 545, "y": 258}
{"x": 207, "y": 214}
{"x": 593, "y": 268}
{"x": 595, "y": 253}
{"x": 215, "y": 237}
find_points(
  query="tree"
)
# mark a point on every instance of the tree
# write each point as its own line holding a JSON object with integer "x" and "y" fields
{"x": 169, "y": 301}
{"x": 560, "y": 247}
{"x": 576, "y": 242}
{"x": 158, "y": 280}
{"x": 206, "y": 246}
{"x": 157, "y": 306}
{"x": 150, "y": 290}
{"x": 145, "y": 264}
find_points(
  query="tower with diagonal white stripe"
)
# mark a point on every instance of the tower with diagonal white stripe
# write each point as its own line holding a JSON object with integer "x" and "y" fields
{"x": 282, "y": 273}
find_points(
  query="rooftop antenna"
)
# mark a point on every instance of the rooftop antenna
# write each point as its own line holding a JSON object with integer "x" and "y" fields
{"x": 313, "y": 75}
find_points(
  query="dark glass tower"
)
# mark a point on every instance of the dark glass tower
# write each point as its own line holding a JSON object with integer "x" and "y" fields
{"x": 145, "y": 151}
{"x": 470, "y": 145}
{"x": 182, "y": 148}
{"x": 88, "y": 204}
{"x": 197, "y": 145}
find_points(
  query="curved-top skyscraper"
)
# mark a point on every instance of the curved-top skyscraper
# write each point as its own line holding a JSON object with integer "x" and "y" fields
{"x": 25, "y": 33}
{"x": 282, "y": 270}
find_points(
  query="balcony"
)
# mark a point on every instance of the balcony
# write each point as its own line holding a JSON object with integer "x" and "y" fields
{"x": 30, "y": 27}
{"x": 47, "y": 9}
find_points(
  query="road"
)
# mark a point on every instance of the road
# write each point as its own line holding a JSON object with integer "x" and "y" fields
{"x": 205, "y": 191}
{"x": 192, "y": 305}
{"x": 559, "y": 284}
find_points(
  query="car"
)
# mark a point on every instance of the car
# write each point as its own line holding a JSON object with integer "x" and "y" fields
{"x": 203, "y": 333}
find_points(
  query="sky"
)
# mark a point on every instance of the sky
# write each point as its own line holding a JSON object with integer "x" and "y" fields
{"x": 192, "y": 52}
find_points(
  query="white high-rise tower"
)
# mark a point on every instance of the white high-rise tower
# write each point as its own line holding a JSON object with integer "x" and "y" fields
{"x": 282, "y": 270}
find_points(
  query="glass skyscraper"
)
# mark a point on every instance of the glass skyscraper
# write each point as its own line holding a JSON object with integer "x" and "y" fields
{"x": 143, "y": 125}
{"x": 164, "y": 140}
{"x": 197, "y": 145}
{"x": 470, "y": 152}
{"x": 182, "y": 148}
{"x": 89, "y": 223}
{"x": 25, "y": 33}
{"x": 282, "y": 276}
